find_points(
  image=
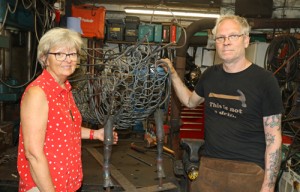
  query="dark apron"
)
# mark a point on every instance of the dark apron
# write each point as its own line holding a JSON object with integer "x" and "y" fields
{"x": 218, "y": 175}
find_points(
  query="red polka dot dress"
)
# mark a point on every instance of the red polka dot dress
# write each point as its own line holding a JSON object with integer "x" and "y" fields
{"x": 63, "y": 138}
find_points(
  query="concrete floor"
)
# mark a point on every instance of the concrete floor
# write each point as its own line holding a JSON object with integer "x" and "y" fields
{"x": 134, "y": 173}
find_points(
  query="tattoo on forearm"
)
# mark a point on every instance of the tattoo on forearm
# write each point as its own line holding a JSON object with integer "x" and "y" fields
{"x": 269, "y": 139}
{"x": 275, "y": 160}
{"x": 273, "y": 121}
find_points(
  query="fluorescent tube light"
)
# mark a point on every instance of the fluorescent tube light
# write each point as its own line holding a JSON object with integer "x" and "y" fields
{"x": 170, "y": 13}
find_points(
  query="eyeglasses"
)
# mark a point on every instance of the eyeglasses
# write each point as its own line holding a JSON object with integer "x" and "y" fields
{"x": 230, "y": 38}
{"x": 63, "y": 56}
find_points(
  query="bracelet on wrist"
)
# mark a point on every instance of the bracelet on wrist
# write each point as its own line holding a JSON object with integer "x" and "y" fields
{"x": 92, "y": 134}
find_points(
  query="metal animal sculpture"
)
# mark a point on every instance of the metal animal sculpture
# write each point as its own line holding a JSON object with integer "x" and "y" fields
{"x": 122, "y": 89}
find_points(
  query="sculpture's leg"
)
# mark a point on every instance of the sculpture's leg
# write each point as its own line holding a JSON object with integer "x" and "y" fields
{"x": 108, "y": 142}
{"x": 160, "y": 135}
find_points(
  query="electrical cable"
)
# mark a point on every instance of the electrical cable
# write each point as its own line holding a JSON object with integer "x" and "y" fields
{"x": 44, "y": 25}
{"x": 283, "y": 61}
{"x": 8, "y": 10}
{"x": 27, "y": 6}
{"x": 279, "y": 55}
{"x": 175, "y": 21}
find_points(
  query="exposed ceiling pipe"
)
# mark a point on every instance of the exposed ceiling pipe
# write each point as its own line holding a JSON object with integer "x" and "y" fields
{"x": 175, "y": 120}
{"x": 193, "y": 28}
{"x": 264, "y": 23}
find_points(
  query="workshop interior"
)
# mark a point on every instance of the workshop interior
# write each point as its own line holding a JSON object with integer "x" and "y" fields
{"x": 160, "y": 140}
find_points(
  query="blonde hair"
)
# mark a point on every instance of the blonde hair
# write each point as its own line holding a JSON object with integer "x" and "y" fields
{"x": 240, "y": 20}
{"x": 56, "y": 37}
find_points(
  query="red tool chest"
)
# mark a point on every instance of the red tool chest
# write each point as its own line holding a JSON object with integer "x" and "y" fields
{"x": 192, "y": 123}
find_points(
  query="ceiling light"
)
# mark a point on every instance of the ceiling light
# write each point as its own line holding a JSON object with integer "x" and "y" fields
{"x": 170, "y": 13}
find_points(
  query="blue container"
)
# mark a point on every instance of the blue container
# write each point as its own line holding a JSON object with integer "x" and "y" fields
{"x": 158, "y": 33}
{"x": 146, "y": 29}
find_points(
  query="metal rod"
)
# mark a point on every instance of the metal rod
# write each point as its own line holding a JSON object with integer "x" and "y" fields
{"x": 139, "y": 159}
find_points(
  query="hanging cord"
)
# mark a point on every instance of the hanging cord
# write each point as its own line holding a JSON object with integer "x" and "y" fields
{"x": 45, "y": 24}
{"x": 8, "y": 10}
{"x": 287, "y": 61}
{"x": 175, "y": 22}
{"x": 282, "y": 60}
